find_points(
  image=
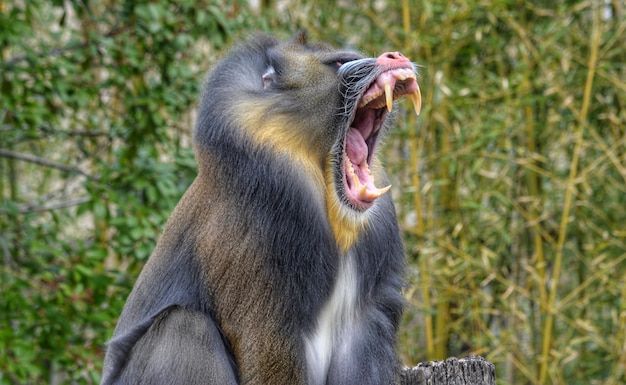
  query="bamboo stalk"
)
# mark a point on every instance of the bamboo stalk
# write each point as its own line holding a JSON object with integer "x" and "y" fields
{"x": 620, "y": 342}
{"x": 414, "y": 146}
{"x": 582, "y": 121}
{"x": 447, "y": 201}
{"x": 533, "y": 189}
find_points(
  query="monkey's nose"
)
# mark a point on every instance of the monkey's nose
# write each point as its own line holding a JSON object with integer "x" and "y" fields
{"x": 392, "y": 59}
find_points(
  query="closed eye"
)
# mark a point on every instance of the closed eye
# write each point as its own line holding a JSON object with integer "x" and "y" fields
{"x": 338, "y": 61}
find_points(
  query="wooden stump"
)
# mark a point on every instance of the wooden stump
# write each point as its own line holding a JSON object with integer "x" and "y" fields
{"x": 472, "y": 370}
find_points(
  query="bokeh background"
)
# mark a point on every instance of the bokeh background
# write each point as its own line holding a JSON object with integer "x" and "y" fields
{"x": 510, "y": 187}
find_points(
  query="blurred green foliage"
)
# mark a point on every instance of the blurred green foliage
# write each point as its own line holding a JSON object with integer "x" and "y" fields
{"x": 510, "y": 188}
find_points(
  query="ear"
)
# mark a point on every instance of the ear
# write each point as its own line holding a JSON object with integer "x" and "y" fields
{"x": 301, "y": 37}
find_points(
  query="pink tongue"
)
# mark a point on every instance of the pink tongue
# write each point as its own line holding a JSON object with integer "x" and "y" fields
{"x": 359, "y": 184}
{"x": 356, "y": 147}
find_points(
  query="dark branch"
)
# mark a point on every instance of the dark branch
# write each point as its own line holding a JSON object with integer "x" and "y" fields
{"x": 43, "y": 162}
{"x": 54, "y": 206}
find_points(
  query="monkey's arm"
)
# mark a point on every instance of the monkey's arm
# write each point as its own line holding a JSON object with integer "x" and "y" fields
{"x": 180, "y": 346}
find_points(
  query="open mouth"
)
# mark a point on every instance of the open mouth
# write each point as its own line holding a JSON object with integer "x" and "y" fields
{"x": 361, "y": 138}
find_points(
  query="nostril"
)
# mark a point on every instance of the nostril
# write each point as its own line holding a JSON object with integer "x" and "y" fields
{"x": 394, "y": 55}
{"x": 391, "y": 58}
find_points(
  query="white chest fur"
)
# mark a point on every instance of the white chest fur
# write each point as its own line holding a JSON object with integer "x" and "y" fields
{"x": 333, "y": 333}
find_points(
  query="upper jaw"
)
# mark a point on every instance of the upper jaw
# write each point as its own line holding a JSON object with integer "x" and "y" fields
{"x": 357, "y": 188}
{"x": 393, "y": 83}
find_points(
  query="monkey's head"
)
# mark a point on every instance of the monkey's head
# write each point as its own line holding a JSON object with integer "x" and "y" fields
{"x": 319, "y": 109}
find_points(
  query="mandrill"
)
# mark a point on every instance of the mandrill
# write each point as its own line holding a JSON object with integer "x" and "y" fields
{"x": 282, "y": 263}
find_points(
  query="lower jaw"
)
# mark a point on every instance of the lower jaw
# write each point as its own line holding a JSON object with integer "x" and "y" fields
{"x": 346, "y": 220}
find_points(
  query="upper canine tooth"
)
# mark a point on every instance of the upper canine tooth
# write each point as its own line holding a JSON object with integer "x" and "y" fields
{"x": 389, "y": 96}
{"x": 416, "y": 98}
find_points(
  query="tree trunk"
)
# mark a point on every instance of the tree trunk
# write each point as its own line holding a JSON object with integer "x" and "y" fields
{"x": 472, "y": 370}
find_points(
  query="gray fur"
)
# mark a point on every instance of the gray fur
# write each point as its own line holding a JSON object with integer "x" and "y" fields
{"x": 248, "y": 260}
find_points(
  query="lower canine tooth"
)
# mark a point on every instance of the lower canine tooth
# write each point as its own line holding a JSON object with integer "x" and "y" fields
{"x": 384, "y": 190}
{"x": 371, "y": 195}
